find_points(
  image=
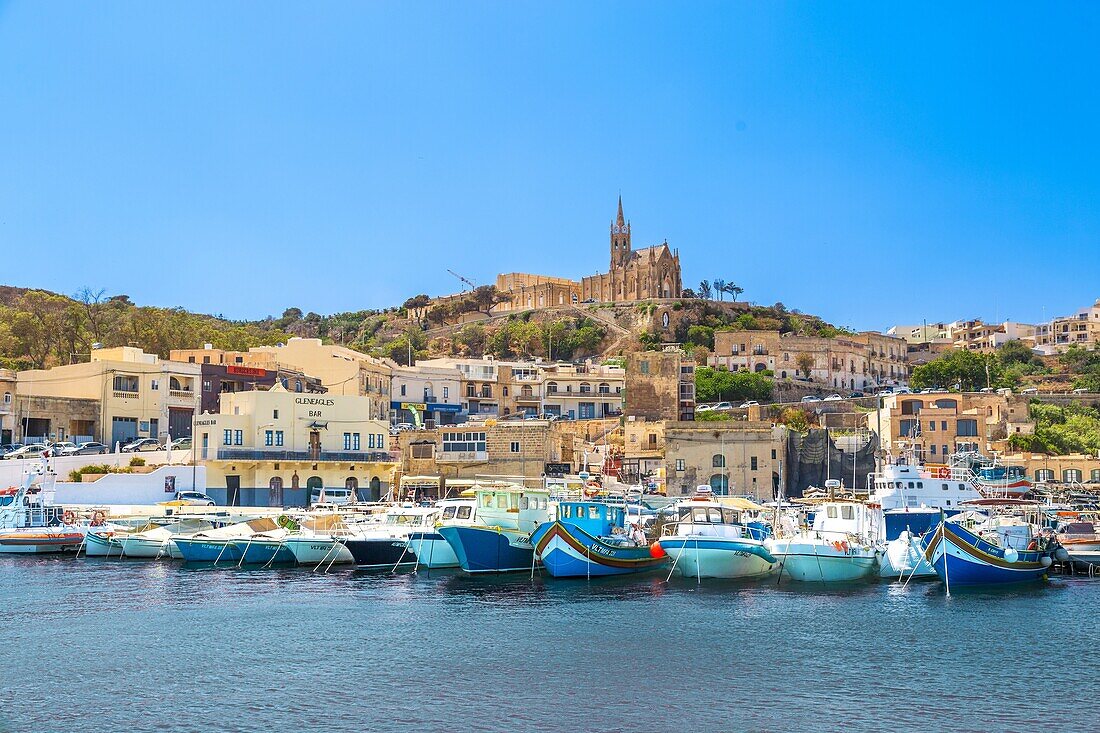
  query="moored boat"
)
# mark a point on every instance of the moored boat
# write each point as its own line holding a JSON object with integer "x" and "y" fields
{"x": 386, "y": 545}
{"x": 431, "y": 548}
{"x": 499, "y": 542}
{"x": 839, "y": 547}
{"x": 590, "y": 538}
{"x": 987, "y": 552}
{"x": 709, "y": 540}
{"x": 29, "y": 521}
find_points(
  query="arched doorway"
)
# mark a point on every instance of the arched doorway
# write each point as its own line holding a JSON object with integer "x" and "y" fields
{"x": 275, "y": 491}
{"x": 720, "y": 484}
{"x": 352, "y": 485}
{"x": 315, "y": 490}
{"x": 375, "y": 489}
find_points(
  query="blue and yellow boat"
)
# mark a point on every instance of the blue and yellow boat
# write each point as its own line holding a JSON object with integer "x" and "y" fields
{"x": 590, "y": 538}
{"x": 962, "y": 557}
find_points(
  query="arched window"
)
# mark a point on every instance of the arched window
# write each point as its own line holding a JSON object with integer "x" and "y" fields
{"x": 719, "y": 484}
{"x": 7, "y": 398}
{"x": 761, "y": 367}
{"x": 718, "y": 461}
{"x": 604, "y": 388}
{"x": 783, "y": 374}
{"x": 1044, "y": 474}
{"x": 486, "y": 390}
{"x": 526, "y": 391}
{"x": 585, "y": 387}
{"x": 1071, "y": 475}
{"x": 551, "y": 388}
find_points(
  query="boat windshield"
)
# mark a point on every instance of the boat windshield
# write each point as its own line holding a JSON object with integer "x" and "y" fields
{"x": 707, "y": 515}
{"x": 405, "y": 519}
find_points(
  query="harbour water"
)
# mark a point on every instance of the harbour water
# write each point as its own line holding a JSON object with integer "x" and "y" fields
{"x": 153, "y": 646}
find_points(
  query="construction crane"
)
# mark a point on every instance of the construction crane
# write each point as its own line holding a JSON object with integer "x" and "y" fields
{"x": 468, "y": 282}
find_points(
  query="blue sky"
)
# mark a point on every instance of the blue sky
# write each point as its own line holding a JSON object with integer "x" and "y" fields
{"x": 864, "y": 162}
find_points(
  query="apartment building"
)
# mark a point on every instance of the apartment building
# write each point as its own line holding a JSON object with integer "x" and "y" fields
{"x": 7, "y": 405}
{"x": 137, "y": 395}
{"x": 1080, "y": 329}
{"x": 860, "y": 361}
{"x": 435, "y": 392}
{"x": 520, "y": 448}
{"x": 732, "y": 458}
{"x": 280, "y": 448}
{"x": 937, "y": 425}
{"x": 341, "y": 371}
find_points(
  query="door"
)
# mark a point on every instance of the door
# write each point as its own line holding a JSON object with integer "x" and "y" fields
{"x": 275, "y": 491}
{"x": 232, "y": 490}
{"x": 314, "y": 445}
{"x": 123, "y": 430}
{"x": 179, "y": 422}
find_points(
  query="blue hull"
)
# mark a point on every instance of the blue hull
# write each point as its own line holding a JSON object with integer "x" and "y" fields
{"x": 205, "y": 551}
{"x": 487, "y": 549}
{"x": 567, "y": 551}
{"x": 960, "y": 558}
{"x": 262, "y": 554}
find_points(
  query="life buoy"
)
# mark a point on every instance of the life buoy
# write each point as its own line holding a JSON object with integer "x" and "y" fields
{"x": 943, "y": 472}
{"x": 68, "y": 517}
{"x": 99, "y": 518}
{"x": 1033, "y": 545}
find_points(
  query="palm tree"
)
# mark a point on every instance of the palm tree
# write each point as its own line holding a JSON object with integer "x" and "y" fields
{"x": 705, "y": 290}
{"x": 734, "y": 290}
{"x": 719, "y": 287}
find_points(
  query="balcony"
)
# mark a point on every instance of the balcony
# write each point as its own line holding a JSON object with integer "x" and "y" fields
{"x": 278, "y": 454}
{"x": 181, "y": 394}
{"x": 125, "y": 394}
{"x": 468, "y": 456}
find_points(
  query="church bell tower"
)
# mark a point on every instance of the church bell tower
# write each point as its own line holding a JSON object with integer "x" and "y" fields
{"x": 620, "y": 240}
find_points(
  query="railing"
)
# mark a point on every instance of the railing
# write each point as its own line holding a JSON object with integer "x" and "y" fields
{"x": 183, "y": 394}
{"x": 125, "y": 394}
{"x": 471, "y": 455}
{"x": 258, "y": 454}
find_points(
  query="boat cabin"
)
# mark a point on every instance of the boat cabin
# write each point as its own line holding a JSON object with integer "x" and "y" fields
{"x": 458, "y": 511}
{"x": 595, "y": 518}
{"x": 845, "y": 517}
{"x": 512, "y": 506}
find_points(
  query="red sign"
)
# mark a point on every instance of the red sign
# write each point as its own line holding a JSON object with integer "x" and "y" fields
{"x": 246, "y": 371}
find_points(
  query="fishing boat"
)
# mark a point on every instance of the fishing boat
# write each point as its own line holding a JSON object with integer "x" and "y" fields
{"x": 1079, "y": 539}
{"x": 499, "y": 542}
{"x": 911, "y": 497}
{"x": 386, "y": 545}
{"x": 217, "y": 545}
{"x": 431, "y": 548}
{"x": 710, "y": 540}
{"x": 974, "y": 549}
{"x": 30, "y": 523}
{"x": 838, "y": 547}
{"x": 590, "y": 538}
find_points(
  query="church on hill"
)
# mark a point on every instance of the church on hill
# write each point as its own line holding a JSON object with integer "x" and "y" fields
{"x": 652, "y": 272}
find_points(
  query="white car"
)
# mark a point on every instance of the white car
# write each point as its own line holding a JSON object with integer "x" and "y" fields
{"x": 704, "y": 408}
{"x": 722, "y": 406}
{"x": 749, "y": 403}
{"x": 833, "y": 398}
{"x": 194, "y": 498}
{"x": 34, "y": 450}
{"x": 811, "y": 398}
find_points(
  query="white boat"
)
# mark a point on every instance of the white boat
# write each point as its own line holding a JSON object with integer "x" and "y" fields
{"x": 910, "y": 498}
{"x": 838, "y": 547}
{"x": 385, "y": 545}
{"x": 710, "y": 540}
{"x": 318, "y": 541}
{"x": 30, "y": 523}
{"x": 432, "y": 550}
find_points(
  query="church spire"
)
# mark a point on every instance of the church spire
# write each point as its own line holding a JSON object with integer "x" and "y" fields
{"x": 619, "y": 219}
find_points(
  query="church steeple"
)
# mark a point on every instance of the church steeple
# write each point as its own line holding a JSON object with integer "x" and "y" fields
{"x": 620, "y": 239}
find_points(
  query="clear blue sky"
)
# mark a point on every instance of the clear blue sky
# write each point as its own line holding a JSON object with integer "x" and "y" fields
{"x": 865, "y": 163}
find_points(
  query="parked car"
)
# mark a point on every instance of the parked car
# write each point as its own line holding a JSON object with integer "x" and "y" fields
{"x": 9, "y": 447}
{"x": 194, "y": 498}
{"x": 62, "y": 447}
{"x": 141, "y": 445}
{"x": 705, "y": 407}
{"x": 27, "y": 451}
{"x": 749, "y": 403}
{"x": 551, "y": 416}
{"x": 1030, "y": 390}
{"x": 834, "y": 397}
{"x": 588, "y": 300}
{"x": 902, "y": 390}
{"x": 721, "y": 406}
{"x": 87, "y": 449}
{"x": 811, "y": 398}
{"x": 181, "y": 444}
{"x": 856, "y": 395}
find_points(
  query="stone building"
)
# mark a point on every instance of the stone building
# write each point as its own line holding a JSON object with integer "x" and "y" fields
{"x": 733, "y": 458}
{"x": 494, "y": 448}
{"x": 660, "y": 386}
{"x": 47, "y": 418}
{"x": 652, "y": 272}
{"x": 848, "y": 362}
{"x": 526, "y": 292}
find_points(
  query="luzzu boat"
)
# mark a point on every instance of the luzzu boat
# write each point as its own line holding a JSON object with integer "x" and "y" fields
{"x": 987, "y": 552}
{"x": 499, "y": 542}
{"x": 710, "y": 540}
{"x": 590, "y": 538}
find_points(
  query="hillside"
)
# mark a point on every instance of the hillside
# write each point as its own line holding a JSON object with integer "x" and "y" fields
{"x": 39, "y": 328}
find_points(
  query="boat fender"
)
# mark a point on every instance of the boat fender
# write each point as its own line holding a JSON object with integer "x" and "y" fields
{"x": 1061, "y": 554}
{"x": 655, "y": 550}
{"x": 1011, "y": 555}
{"x": 1033, "y": 545}
{"x": 68, "y": 517}
{"x": 1045, "y": 561}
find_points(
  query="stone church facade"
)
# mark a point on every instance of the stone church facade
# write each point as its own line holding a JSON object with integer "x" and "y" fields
{"x": 652, "y": 272}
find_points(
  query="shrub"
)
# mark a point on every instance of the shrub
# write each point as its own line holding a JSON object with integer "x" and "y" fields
{"x": 137, "y": 461}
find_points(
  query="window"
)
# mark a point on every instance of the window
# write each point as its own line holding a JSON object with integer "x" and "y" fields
{"x": 773, "y": 454}
{"x": 1044, "y": 474}
{"x": 679, "y": 464}
{"x": 719, "y": 484}
{"x": 946, "y": 487}
{"x": 355, "y": 441}
{"x": 515, "y": 446}
{"x": 269, "y": 437}
{"x": 586, "y": 388}
{"x": 931, "y": 425}
{"x": 278, "y": 437}
{"x": 125, "y": 383}
{"x": 1094, "y": 476}
{"x": 463, "y": 442}
{"x": 275, "y": 414}
{"x": 207, "y": 386}
{"x": 944, "y": 447}
{"x": 227, "y": 437}
{"x": 238, "y": 437}
{"x": 932, "y": 450}
{"x": 551, "y": 388}
{"x": 847, "y": 512}
{"x": 370, "y": 440}
{"x": 643, "y": 366}
{"x": 943, "y": 425}
{"x": 347, "y": 441}
{"x": 402, "y": 390}
{"x": 752, "y": 463}
{"x": 908, "y": 428}
{"x": 718, "y": 461}
{"x": 1071, "y": 476}
{"x": 967, "y": 428}
{"x": 446, "y": 394}
{"x": 831, "y": 512}
{"x": 154, "y": 384}
{"x": 7, "y": 398}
